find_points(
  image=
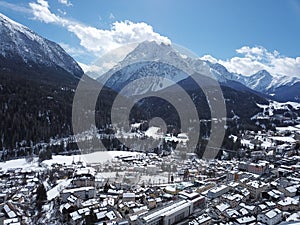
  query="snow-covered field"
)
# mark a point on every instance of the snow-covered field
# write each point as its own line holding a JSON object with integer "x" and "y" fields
{"x": 19, "y": 164}
{"x": 273, "y": 105}
{"x": 96, "y": 157}
{"x": 102, "y": 157}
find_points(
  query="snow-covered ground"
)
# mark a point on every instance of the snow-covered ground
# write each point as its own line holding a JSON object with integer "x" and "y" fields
{"x": 20, "y": 164}
{"x": 154, "y": 132}
{"x": 289, "y": 128}
{"x": 96, "y": 157}
{"x": 102, "y": 157}
{"x": 279, "y": 105}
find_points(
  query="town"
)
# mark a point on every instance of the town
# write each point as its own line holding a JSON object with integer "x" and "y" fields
{"x": 260, "y": 186}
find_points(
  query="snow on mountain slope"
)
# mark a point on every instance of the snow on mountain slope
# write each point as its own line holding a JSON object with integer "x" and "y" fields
{"x": 133, "y": 66}
{"x": 161, "y": 63}
{"x": 282, "y": 88}
{"x": 259, "y": 81}
{"x": 18, "y": 41}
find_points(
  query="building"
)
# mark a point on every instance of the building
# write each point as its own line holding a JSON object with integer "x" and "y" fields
{"x": 258, "y": 168}
{"x": 84, "y": 177}
{"x": 256, "y": 188}
{"x": 128, "y": 197}
{"x": 82, "y": 193}
{"x": 167, "y": 215}
{"x": 197, "y": 200}
{"x": 218, "y": 191}
{"x": 288, "y": 204}
{"x": 271, "y": 217}
{"x": 201, "y": 220}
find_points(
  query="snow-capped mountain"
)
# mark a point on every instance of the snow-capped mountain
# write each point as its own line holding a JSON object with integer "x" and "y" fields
{"x": 20, "y": 44}
{"x": 161, "y": 60}
{"x": 281, "y": 88}
{"x": 161, "y": 64}
{"x": 259, "y": 81}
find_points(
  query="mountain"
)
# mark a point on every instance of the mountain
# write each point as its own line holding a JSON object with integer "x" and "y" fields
{"x": 159, "y": 68}
{"x": 153, "y": 66}
{"x": 38, "y": 80}
{"x": 22, "y": 47}
{"x": 147, "y": 59}
{"x": 280, "y": 88}
{"x": 159, "y": 62}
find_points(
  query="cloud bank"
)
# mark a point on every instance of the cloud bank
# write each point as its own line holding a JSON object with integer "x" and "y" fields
{"x": 254, "y": 59}
{"x": 95, "y": 40}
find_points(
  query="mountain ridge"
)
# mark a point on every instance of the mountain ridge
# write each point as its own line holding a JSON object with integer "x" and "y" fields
{"x": 262, "y": 81}
{"x": 22, "y": 44}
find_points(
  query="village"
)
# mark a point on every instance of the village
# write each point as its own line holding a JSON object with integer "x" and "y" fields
{"x": 260, "y": 186}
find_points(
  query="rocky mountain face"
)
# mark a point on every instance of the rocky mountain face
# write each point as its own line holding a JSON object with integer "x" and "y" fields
{"x": 22, "y": 47}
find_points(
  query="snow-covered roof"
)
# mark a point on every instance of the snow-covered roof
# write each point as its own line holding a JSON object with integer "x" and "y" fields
{"x": 54, "y": 192}
{"x": 223, "y": 206}
{"x": 246, "y": 219}
{"x": 273, "y": 213}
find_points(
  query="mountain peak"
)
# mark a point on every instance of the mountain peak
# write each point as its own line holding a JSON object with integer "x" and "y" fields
{"x": 21, "y": 43}
{"x": 149, "y": 51}
{"x": 262, "y": 73}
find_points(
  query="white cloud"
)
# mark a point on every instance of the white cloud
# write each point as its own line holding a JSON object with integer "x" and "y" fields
{"x": 254, "y": 59}
{"x": 99, "y": 41}
{"x": 15, "y": 7}
{"x": 41, "y": 12}
{"x": 209, "y": 58}
{"x": 65, "y": 2}
{"x": 124, "y": 32}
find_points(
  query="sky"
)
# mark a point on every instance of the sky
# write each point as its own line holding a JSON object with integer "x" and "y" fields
{"x": 245, "y": 36}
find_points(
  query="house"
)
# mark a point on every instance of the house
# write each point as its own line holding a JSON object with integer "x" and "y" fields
{"x": 245, "y": 220}
{"x": 201, "y": 220}
{"x": 256, "y": 188}
{"x": 288, "y": 204}
{"x": 83, "y": 193}
{"x": 14, "y": 221}
{"x": 218, "y": 191}
{"x": 290, "y": 191}
{"x": 231, "y": 213}
{"x": 222, "y": 207}
{"x": 250, "y": 208}
{"x": 128, "y": 197}
{"x": 233, "y": 200}
{"x": 271, "y": 217}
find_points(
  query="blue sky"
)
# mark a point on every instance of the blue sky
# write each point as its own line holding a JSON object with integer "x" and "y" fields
{"x": 242, "y": 35}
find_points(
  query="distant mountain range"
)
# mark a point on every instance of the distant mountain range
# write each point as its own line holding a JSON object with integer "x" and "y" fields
{"x": 147, "y": 54}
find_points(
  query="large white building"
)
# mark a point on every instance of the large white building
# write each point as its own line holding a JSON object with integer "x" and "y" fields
{"x": 169, "y": 214}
